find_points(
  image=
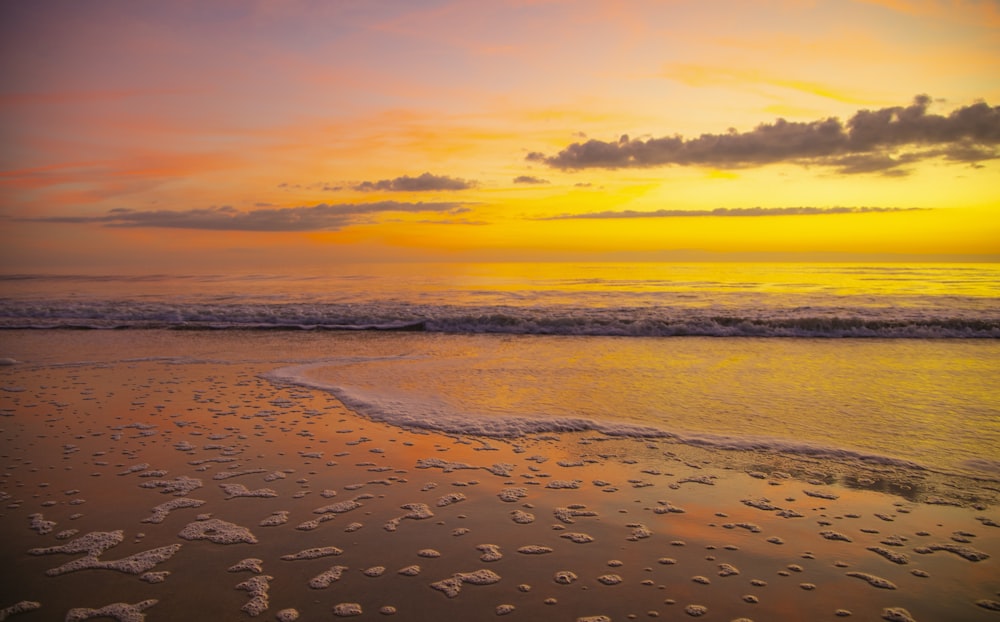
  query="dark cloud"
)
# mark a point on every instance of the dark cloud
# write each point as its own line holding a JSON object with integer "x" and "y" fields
{"x": 423, "y": 183}
{"x": 881, "y": 163}
{"x": 319, "y": 185}
{"x": 321, "y": 217}
{"x": 731, "y": 212}
{"x": 528, "y": 179}
{"x": 871, "y": 141}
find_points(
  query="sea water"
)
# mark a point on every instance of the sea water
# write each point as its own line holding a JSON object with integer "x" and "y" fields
{"x": 887, "y": 363}
{"x": 638, "y": 299}
{"x": 932, "y": 404}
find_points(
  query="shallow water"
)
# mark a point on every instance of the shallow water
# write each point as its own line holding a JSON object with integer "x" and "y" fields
{"x": 930, "y": 402}
{"x": 934, "y": 403}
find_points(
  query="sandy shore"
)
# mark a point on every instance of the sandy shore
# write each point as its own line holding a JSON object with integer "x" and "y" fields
{"x": 163, "y": 491}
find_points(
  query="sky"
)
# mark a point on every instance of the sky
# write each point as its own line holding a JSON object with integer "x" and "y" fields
{"x": 218, "y": 134}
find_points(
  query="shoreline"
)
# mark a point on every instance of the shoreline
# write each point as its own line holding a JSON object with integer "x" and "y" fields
{"x": 862, "y": 467}
{"x": 649, "y": 528}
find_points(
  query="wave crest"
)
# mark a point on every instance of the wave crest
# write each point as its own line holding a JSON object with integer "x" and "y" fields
{"x": 557, "y": 320}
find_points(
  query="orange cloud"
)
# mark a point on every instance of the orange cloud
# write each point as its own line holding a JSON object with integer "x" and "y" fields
{"x": 76, "y": 98}
{"x": 150, "y": 166}
{"x": 46, "y": 176}
{"x": 981, "y": 12}
{"x": 703, "y": 75}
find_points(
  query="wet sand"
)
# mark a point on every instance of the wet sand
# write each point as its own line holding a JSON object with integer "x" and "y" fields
{"x": 148, "y": 489}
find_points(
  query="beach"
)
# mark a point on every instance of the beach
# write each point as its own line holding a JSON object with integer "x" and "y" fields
{"x": 454, "y": 311}
{"x": 168, "y": 474}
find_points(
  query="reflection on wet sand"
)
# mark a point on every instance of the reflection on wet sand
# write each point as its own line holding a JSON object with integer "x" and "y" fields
{"x": 133, "y": 489}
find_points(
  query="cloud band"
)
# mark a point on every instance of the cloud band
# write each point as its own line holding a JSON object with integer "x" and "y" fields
{"x": 869, "y": 142}
{"x": 731, "y": 212}
{"x": 426, "y": 182}
{"x": 321, "y": 217}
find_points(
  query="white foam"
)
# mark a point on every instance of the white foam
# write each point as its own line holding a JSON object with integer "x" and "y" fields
{"x": 874, "y": 580}
{"x": 19, "y": 607}
{"x": 136, "y": 564}
{"x": 313, "y": 553}
{"x": 258, "y": 587}
{"x": 217, "y": 531}
{"x": 326, "y": 578}
{"x": 118, "y": 611}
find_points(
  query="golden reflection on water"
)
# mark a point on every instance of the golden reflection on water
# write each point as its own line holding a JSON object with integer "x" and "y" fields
{"x": 934, "y": 403}
{"x": 513, "y": 283}
{"x": 840, "y": 279}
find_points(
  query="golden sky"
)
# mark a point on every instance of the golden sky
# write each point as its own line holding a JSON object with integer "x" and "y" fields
{"x": 226, "y": 133}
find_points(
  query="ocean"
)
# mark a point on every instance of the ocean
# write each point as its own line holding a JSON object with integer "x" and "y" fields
{"x": 884, "y": 364}
{"x": 609, "y": 299}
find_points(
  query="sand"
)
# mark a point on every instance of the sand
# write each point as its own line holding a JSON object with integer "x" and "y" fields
{"x": 110, "y": 472}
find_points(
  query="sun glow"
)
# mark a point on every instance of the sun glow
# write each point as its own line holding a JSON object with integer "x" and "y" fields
{"x": 480, "y": 137}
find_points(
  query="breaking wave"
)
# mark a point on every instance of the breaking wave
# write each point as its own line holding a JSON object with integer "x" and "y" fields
{"x": 552, "y": 320}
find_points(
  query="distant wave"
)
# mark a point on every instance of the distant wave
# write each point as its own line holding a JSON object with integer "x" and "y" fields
{"x": 553, "y": 320}
{"x": 724, "y": 326}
